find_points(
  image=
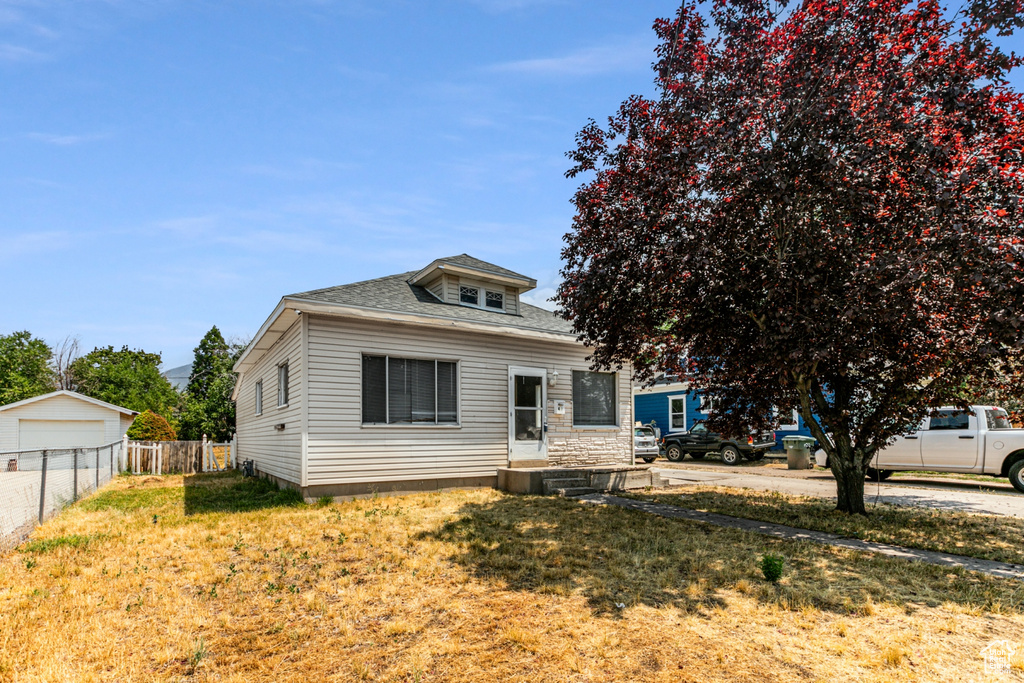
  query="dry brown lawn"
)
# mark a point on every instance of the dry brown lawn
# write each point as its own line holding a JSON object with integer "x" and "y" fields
{"x": 219, "y": 579}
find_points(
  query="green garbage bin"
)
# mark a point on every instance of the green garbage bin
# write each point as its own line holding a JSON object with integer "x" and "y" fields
{"x": 798, "y": 452}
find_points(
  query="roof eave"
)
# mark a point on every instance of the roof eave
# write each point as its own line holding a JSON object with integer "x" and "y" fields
{"x": 70, "y": 394}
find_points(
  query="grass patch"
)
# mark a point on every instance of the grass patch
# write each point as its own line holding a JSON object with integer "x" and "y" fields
{"x": 247, "y": 584}
{"x": 46, "y": 545}
{"x": 988, "y": 537}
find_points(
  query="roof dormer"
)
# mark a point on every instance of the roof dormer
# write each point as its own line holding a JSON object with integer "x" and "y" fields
{"x": 466, "y": 281}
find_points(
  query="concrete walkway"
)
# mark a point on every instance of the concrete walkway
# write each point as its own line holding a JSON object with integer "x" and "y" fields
{"x": 1001, "y": 570}
{"x": 820, "y": 484}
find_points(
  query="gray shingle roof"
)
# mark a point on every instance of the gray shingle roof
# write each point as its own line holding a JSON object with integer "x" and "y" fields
{"x": 394, "y": 294}
{"x": 470, "y": 262}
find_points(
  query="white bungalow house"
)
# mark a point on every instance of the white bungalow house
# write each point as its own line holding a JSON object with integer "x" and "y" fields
{"x": 423, "y": 380}
{"x": 61, "y": 419}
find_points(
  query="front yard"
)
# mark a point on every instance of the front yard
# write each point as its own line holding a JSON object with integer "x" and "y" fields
{"x": 212, "y": 577}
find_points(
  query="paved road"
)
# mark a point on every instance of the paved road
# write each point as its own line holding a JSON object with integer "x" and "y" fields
{"x": 935, "y": 493}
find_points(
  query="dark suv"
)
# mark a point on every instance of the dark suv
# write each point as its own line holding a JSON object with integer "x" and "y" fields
{"x": 698, "y": 442}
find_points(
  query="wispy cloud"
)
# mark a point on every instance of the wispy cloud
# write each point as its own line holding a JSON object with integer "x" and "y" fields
{"x": 17, "y": 53}
{"x": 540, "y": 297}
{"x": 20, "y": 246}
{"x": 628, "y": 55}
{"x": 513, "y": 5}
{"x": 65, "y": 140}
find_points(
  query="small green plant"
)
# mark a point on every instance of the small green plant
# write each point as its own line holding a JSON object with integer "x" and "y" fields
{"x": 324, "y": 501}
{"x": 198, "y": 654}
{"x": 771, "y": 566}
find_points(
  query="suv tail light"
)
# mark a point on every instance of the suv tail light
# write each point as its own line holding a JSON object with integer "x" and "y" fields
{"x": 750, "y": 440}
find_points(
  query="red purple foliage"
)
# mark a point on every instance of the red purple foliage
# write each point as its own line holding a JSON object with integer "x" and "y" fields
{"x": 822, "y": 209}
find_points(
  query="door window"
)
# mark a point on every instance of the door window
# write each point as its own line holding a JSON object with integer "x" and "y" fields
{"x": 528, "y": 424}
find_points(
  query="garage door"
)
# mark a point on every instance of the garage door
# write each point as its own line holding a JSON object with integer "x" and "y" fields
{"x": 59, "y": 434}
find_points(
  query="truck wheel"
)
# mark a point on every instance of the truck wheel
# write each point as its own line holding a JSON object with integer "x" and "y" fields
{"x": 697, "y": 456}
{"x": 877, "y": 475}
{"x": 731, "y": 455}
{"x": 649, "y": 459}
{"x": 674, "y": 453}
{"x": 1017, "y": 475}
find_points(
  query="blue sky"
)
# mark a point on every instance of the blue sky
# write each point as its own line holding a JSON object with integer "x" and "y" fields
{"x": 170, "y": 165}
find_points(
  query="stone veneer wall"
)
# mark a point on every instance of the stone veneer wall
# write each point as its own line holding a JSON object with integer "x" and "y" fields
{"x": 575, "y": 447}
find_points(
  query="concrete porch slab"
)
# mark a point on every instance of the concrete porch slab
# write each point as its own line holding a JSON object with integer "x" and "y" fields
{"x": 600, "y": 477}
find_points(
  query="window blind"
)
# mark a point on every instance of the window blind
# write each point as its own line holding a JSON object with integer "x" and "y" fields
{"x": 593, "y": 399}
{"x": 409, "y": 390}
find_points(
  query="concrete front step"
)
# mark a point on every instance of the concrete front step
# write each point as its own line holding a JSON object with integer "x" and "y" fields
{"x": 552, "y": 484}
{"x": 572, "y": 491}
{"x": 535, "y": 480}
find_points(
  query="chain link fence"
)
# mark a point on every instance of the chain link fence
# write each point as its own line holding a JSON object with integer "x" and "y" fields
{"x": 35, "y": 485}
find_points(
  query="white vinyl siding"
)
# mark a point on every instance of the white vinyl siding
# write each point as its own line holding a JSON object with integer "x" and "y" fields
{"x": 275, "y": 452}
{"x": 342, "y": 450}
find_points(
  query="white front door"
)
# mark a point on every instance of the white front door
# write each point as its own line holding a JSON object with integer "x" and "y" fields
{"x": 527, "y": 414}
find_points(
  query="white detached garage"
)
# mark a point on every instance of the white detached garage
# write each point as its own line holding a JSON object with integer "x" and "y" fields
{"x": 62, "y": 419}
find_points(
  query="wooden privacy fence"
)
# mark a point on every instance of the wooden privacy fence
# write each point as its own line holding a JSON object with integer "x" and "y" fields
{"x": 177, "y": 457}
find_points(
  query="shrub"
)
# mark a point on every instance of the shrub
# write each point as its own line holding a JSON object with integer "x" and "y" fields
{"x": 149, "y": 426}
{"x": 771, "y": 566}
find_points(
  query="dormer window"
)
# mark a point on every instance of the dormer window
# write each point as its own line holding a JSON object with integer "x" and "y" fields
{"x": 496, "y": 300}
{"x": 465, "y": 281}
{"x": 479, "y": 297}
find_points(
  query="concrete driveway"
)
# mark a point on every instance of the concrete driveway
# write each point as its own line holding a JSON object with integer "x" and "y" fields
{"x": 941, "y": 493}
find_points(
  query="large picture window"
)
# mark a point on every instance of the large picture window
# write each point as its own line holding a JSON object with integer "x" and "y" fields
{"x": 593, "y": 399}
{"x": 409, "y": 391}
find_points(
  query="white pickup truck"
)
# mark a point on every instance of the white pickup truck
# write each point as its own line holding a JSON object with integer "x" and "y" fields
{"x": 978, "y": 441}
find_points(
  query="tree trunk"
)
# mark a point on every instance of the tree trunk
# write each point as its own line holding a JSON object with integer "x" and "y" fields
{"x": 848, "y": 470}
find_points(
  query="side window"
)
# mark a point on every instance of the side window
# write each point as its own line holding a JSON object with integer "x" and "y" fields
{"x": 282, "y": 384}
{"x": 949, "y": 419}
{"x": 677, "y": 413}
{"x": 469, "y": 295}
{"x": 259, "y": 397}
{"x": 788, "y": 420}
{"x": 997, "y": 419}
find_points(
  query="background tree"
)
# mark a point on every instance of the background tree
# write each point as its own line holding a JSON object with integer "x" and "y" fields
{"x": 823, "y": 209}
{"x": 206, "y": 406}
{"x": 126, "y": 378}
{"x": 148, "y": 426}
{"x": 24, "y": 367}
{"x": 64, "y": 355}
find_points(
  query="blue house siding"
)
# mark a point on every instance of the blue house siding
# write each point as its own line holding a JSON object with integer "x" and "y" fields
{"x": 654, "y": 406}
